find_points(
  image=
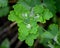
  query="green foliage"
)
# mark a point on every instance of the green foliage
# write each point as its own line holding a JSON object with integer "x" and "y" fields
{"x": 47, "y": 35}
{"x": 42, "y": 13}
{"x": 58, "y": 38}
{"x": 27, "y": 13}
{"x": 27, "y": 21}
{"x": 4, "y": 9}
{"x": 50, "y": 4}
{"x": 53, "y": 28}
{"x": 5, "y": 44}
{"x": 56, "y": 46}
{"x": 30, "y": 2}
{"x": 3, "y": 3}
{"x": 50, "y": 35}
{"x": 58, "y": 5}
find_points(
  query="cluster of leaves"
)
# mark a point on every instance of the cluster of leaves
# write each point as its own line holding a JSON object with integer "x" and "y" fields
{"x": 27, "y": 13}
{"x": 4, "y": 9}
{"x": 51, "y": 36}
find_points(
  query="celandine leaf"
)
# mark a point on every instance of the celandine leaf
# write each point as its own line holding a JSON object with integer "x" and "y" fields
{"x": 26, "y": 17}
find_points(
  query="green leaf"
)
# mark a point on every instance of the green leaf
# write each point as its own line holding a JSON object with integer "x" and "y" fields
{"x": 4, "y": 11}
{"x": 50, "y": 4}
{"x": 26, "y": 14}
{"x": 13, "y": 17}
{"x": 44, "y": 41}
{"x": 57, "y": 46}
{"x": 58, "y": 5}
{"x": 33, "y": 36}
{"x": 4, "y": 8}
{"x": 3, "y": 3}
{"x": 21, "y": 37}
{"x": 5, "y": 44}
{"x": 34, "y": 27}
{"x": 26, "y": 29}
{"x": 47, "y": 35}
{"x": 29, "y": 41}
{"x": 23, "y": 29}
{"x": 40, "y": 30}
{"x": 30, "y": 2}
{"x": 58, "y": 38}
{"x": 42, "y": 20}
{"x": 38, "y": 9}
{"x": 42, "y": 14}
{"x": 20, "y": 9}
{"x": 47, "y": 14}
{"x": 53, "y": 29}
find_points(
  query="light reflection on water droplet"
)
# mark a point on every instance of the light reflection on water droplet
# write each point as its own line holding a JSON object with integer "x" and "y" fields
{"x": 28, "y": 26}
